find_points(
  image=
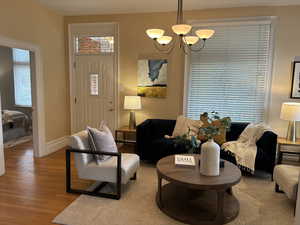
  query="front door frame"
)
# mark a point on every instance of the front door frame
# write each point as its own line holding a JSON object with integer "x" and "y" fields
{"x": 71, "y": 48}
{"x": 38, "y": 114}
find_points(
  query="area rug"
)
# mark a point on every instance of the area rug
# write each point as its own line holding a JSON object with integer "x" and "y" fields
{"x": 259, "y": 205}
{"x": 18, "y": 141}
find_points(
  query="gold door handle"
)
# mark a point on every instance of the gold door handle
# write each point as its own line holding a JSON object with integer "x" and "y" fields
{"x": 112, "y": 110}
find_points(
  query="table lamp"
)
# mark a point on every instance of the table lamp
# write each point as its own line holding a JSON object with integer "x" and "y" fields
{"x": 132, "y": 103}
{"x": 291, "y": 111}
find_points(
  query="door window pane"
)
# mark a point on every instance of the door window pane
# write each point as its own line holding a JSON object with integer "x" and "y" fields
{"x": 94, "y": 45}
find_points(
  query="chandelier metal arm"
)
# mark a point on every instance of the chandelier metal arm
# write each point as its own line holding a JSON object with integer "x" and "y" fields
{"x": 190, "y": 47}
{"x": 184, "y": 50}
{"x": 198, "y": 49}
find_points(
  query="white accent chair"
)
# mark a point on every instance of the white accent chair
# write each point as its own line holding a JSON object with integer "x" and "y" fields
{"x": 118, "y": 169}
{"x": 286, "y": 179}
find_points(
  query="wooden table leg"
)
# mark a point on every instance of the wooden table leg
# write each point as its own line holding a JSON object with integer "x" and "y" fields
{"x": 229, "y": 190}
{"x": 159, "y": 183}
{"x": 220, "y": 210}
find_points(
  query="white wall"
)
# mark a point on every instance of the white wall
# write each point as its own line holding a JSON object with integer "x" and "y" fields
{"x": 31, "y": 23}
{"x": 6, "y": 78}
{"x": 286, "y": 48}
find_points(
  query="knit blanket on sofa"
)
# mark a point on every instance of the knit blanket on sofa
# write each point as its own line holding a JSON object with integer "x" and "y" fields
{"x": 244, "y": 149}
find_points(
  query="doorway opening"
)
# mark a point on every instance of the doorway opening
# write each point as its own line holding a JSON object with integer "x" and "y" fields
{"x": 33, "y": 118}
{"x": 16, "y": 70}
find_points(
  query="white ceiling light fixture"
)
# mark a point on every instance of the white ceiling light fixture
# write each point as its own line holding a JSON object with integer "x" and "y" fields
{"x": 181, "y": 30}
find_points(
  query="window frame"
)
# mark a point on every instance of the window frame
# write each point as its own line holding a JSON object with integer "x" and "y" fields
{"x": 272, "y": 20}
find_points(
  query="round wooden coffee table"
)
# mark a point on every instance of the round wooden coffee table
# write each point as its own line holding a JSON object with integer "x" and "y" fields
{"x": 196, "y": 199}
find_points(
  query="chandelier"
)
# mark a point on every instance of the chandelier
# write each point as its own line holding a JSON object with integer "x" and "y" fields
{"x": 166, "y": 44}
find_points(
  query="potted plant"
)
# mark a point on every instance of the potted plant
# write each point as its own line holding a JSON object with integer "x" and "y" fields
{"x": 190, "y": 142}
{"x": 210, "y": 151}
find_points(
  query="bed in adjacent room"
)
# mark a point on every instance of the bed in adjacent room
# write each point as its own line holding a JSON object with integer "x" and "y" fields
{"x": 16, "y": 127}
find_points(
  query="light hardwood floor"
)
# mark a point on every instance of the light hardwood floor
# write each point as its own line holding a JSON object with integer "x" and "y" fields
{"x": 33, "y": 189}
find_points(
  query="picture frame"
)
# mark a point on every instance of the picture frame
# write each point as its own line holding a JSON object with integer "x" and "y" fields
{"x": 152, "y": 77}
{"x": 295, "y": 89}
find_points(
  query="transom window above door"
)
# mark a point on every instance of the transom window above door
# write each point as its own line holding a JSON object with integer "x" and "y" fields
{"x": 94, "y": 45}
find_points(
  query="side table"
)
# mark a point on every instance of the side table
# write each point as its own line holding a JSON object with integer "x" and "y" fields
{"x": 283, "y": 142}
{"x": 125, "y": 132}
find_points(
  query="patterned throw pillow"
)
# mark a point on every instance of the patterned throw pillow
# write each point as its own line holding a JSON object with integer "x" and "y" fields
{"x": 101, "y": 140}
{"x": 183, "y": 124}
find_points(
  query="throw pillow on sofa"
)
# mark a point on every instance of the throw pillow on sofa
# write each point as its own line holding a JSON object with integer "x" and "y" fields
{"x": 101, "y": 140}
{"x": 183, "y": 124}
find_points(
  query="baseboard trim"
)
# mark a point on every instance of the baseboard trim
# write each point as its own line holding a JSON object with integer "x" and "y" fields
{"x": 57, "y": 144}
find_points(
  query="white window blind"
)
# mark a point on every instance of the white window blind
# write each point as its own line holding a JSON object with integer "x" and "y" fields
{"x": 22, "y": 77}
{"x": 230, "y": 75}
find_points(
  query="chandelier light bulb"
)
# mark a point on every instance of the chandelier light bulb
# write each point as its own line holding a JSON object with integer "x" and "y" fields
{"x": 155, "y": 33}
{"x": 164, "y": 40}
{"x": 181, "y": 29}
{"x": 190, "y": 40}
{"x": 205, "y": 34}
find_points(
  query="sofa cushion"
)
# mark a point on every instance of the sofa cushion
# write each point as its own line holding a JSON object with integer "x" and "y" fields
{"x": 164, "y": 147}
{"x": 106, "y": 171}
{"x": 287, "y": 177}
{"x": 235, "y": 131}
{"x": 157, "y": 128}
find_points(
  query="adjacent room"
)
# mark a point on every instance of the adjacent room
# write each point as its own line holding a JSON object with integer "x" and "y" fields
{"x": 16, "y": 96}
{"x": 149, "y": 112}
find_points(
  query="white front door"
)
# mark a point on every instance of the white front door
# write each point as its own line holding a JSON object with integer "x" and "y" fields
{"x": 94, "y": 79}
{"x": 95, "y": 94}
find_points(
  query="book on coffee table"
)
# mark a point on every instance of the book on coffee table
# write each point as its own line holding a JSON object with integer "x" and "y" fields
{"x": 185, "y": 160}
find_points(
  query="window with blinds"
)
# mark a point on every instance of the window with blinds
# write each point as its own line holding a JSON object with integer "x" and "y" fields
{"x": 22, "y": 77}
{"x": 230, "y": 75}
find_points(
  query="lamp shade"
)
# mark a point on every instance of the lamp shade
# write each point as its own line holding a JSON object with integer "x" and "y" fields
{"x": 181, "y": 29}
{"x": 164, "y": 40}
{"x": 155, "y": 33}
{"x": 190, "y": 40}
{"x": 204, "y": 34}
{"x": 132, "y": 102}
{"x": 290, "y": 111}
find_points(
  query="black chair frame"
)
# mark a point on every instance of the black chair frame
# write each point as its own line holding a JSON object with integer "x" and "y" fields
{"x": 98, "y": 188}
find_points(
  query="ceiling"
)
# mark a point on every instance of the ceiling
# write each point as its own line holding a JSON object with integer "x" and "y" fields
{"x": 81, "y": 7}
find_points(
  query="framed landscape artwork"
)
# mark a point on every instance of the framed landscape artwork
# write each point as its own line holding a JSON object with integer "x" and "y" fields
{"x": 152, "y": 78}
{"x": 295, "y": 93}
